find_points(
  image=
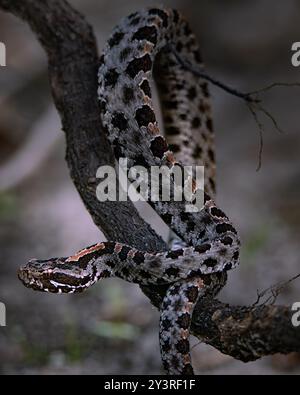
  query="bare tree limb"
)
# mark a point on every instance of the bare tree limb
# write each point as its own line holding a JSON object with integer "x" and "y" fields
{"x": 73, "y": 63}
{"x": 271, "y": 293}
{"x": 252, "y": 99}
{"x": 246, "y": 333}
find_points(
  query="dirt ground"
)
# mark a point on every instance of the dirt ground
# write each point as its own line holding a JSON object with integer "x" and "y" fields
{"x": 112, "y": 328}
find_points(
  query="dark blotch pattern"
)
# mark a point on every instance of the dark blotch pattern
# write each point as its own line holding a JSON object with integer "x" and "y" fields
{"x": 209, "y": 124}
{"x": 192, "y": 93}
{"x": 236, "y": 255}
{"x": 175, "y": 16}
{"x": 206, "y": 220}
{"x": 217, "y": 212}
{"x": 111, "y": 78}
{"x": 158, "y": 146}
{"x": 110, "y": 264}
{"x": 115, "y": 39}
{"x": 144, "y": 115}
{"x": 222, "y": 228}
{"x": 105, "y": 274}
{"x": 228, "y": 266}
{"x": 172, "y": 271}
{"x": 119, "y": 121}
{"x": 133, "y": 15}
{"x": 227, "y": 240}
{"x": 166, "y": 324}
{"x": 123, "y": 253}
{"x": 175, "y": 362}
{"x": 187, "y": 29}
{"x": 210, "y": 262}
{"x": 148, "y": 33}
{"x": 192, "y": 294}
{"x": 204, "y": 87}
{"x": 183, "y": 346}
{"x": 190, "y": 226}
{"x": 174, "y": 254}
{"x": 175, "y": 289}
{"x": 196, "y": 123}
{"x": 109, "y": 248}
{"x": 211, "y": 155}
{"x": 197, "y": 152}
{"x": 206, "y": 279}
{"x": 118, "y": 151}
{"x": 184, "y": 321}
{"x": 145, "y": 86}
{"x": 128, "y": 94}
{"x": 167, "y": 218}
{"x": 185, "y": 216}
{"x": 197, "y": 56}
{"x": 139, "y": 64}
{"x": 101, "y": 60}
{"x": 135, "y": 21}
{"x": 202, "y": 248}
{"x": 163, "y": 16}
{"x": 140, "y": 161}
{"x": 195, "y": 273}
{"x": 124, "y": 53}
{"x": 179, "y": 46}
{"x": 188, "y": 370}
{"x": 145, "y": 274}
{"x": 166, "y": 347}
{"x": 179, "y": 86}
{"x": 103, "y": 106}
{"x": 138, "y": 258}
{"x": 125, "y": 272}
{"x": 206, "y": 197}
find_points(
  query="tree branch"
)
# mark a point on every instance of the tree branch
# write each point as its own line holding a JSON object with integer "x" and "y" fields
{"x": 246, "y": 333}
{"x": 252, "y": 99}
{"x": 73, "y": 64}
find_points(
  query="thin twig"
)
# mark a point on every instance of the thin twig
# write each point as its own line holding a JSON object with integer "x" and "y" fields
{"x": 270, "y": 116}
{"x": 251, "y": 99}
{"x": 260, "y": 131}
{"x": 202, "y": 74}
{"x": 275, "y": 291}
{"x": 274, "y": 85}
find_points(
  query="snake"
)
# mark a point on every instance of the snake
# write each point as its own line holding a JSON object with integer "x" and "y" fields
{"x": 139, "y": 58}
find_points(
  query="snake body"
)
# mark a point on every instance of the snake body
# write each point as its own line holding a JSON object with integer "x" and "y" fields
{"x": 140, "y": 50}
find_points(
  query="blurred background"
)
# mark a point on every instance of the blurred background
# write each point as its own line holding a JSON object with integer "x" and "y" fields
{"x": 112, "y": 328}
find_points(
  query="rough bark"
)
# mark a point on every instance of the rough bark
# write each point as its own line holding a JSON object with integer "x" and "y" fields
{"x": 246, "y": 333}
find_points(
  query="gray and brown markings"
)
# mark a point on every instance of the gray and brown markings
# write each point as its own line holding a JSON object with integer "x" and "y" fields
{"x": 137, "y": 52}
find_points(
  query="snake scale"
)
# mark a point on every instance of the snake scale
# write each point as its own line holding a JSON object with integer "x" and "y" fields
{"x": 140, "y": 51}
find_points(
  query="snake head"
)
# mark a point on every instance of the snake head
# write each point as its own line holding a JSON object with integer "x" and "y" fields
{"x": 53, "y": 275}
